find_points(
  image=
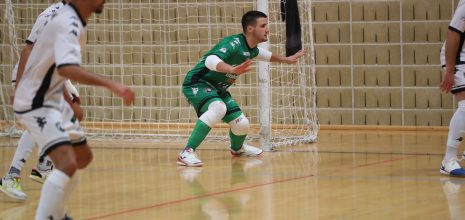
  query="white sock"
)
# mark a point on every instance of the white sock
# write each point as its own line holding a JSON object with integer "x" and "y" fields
{"x": 68, "y": 190}
{"x": 52, "y": 196}
{"x": 22, "y": 153}
{"x": 456, "y": 131}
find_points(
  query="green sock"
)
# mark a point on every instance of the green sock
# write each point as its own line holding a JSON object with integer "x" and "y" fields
{"x": 236, "y": 140}
{"x": 198, "y": 134}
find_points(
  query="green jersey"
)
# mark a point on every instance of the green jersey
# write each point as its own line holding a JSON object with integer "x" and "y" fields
{"x": 233, "y": 50}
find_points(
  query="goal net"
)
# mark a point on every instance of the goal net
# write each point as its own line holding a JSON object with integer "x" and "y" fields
{"x": 151, "y": 45}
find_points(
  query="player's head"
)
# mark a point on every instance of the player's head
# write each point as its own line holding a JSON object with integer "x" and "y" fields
{"x": 98, "y": 6}
{"x": 89, "y": 6}
{"x": 255, "y": 23}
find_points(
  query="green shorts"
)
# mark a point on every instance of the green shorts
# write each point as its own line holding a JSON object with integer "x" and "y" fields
{"x": 201, "y": 95}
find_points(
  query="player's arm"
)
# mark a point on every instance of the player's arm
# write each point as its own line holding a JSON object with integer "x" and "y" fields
{"x": 74, "y": 100}
{"x": 78, "y": 74}
{"x": 451, "y": 50}
{"x": 213, "y": 62}
{"x": 288, "y": 60}
{"x": 23, "y": 60}
{"x": 72, "y": 92}
{"x": 223, "y": 51}
{"x": 78, "y": 113}
{"x": 68, "y": 59}
{"x": 31, "y": 39}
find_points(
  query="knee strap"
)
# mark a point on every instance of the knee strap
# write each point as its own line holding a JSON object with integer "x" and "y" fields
{"x": 216, "y": 111}
{"x": 240, "y": 125}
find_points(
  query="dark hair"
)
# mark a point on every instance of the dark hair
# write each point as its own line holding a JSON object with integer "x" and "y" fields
{"x": 250, "y": 18}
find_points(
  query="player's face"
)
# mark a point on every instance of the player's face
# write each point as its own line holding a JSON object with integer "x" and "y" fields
{"x": 261, "y": 30}
{"x": 99, "y": 6}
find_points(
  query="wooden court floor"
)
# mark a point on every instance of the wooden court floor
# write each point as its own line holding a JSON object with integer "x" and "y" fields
{"x": 345, "y": 175}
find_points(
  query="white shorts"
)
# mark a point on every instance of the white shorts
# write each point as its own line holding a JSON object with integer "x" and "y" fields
{"x": 49, "y": 128}
{"x": 459, "y": 80}
{"x": 71, "y": 125}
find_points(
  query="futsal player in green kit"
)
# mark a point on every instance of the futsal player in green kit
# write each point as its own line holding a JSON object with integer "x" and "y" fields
{"x": 206, "y": 86}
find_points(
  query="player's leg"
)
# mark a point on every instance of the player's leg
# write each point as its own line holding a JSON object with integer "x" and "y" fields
{"x": 43, "y": 169}
{"x": 450, "y": 165}
{"x": 45, "y": 125}
{"x": 83, "y": 158}
{"x": 59, "y": 184}
{"x": 239, "y": 127}
{"x": 210, "y": 109}
{"x": 71, "y": 125}
{"x": 81, "y": 149}
{"x": 10, "y": 184}
{"x": 22, "y": 153}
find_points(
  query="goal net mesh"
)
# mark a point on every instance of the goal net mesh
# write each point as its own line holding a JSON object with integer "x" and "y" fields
{"x": 150, "y": 46}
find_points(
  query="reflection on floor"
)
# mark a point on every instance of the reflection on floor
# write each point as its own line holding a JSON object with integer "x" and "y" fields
{"x": 345, "y": 175}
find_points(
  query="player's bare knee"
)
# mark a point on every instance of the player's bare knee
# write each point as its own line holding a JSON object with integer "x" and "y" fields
{"x": 68, "y": 166}
{"x": 84, "y": 156}
{"x": 64, "y": 159}
{"x": 216, "y": 111}
{"x": 84, "y": 160}
{"x": 240, "y": 125}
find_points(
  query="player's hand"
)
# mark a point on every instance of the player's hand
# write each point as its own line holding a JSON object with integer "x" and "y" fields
{"x": 78, "y": 112}
{"x": 294, "y": 58}
{"x": 126, "y": 93}
{"x": 243, "y": 67}
{"x": 75, "y": 98}
{"x": 447, "y": 82}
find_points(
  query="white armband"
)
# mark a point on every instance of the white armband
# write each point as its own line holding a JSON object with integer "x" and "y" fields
{"x": 71, "y": 89}
{"x": 263, "y": 54}
{"x": 212, "y": 61}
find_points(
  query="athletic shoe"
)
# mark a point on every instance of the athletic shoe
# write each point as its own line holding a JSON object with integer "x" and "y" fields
{"x": 189, "y": 158}
{"x": 39, "y": 176}
{"x": 12, "y": 187}
{"x": 67, "y": 217}
{"x": 247, "y": 150}
{"x": 452, "y": 168}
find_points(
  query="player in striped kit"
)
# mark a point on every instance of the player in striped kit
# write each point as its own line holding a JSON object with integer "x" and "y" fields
{"x": 10, "y": 183}
{"x": 55, "y": 58}
{"x": 453, "y": 62}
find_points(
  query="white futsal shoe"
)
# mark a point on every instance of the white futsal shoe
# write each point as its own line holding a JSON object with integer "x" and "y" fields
{"x": 452, "y": 168}
{"x": 39, "y": 175}
{"x": 189, "y": 158}
{"x": 247, "y": 150}
{"x": 12, "y": 187}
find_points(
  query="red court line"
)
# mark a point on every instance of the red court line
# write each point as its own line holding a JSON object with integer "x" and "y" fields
{"x": 230, "y": 191}
{"x": 385, "y": 161}
{"x": 198, "y": 197}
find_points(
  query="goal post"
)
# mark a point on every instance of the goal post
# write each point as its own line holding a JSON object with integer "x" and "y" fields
{"x": 264, "y": 91}
{"x": 151, "y": 45}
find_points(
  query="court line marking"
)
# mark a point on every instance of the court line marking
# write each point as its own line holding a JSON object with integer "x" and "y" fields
{"x": 198, "y": 197}
{"x": 279, "y": 151}
{"x": 230, "y": 191}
